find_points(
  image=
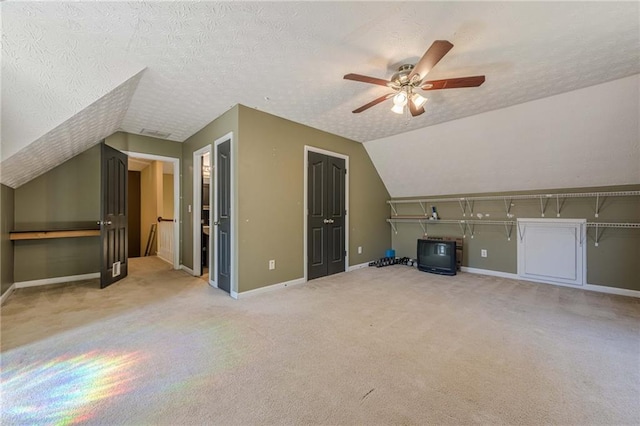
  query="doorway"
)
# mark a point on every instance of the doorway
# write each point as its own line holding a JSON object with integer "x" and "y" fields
{"x": 326, "y": 207}
{"x": 154, "y": 207}
{"x": 202, "y": 241}
{"x": 221, "y": 257}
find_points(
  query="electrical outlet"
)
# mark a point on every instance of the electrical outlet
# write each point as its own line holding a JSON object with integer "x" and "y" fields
{"x": 272, "y": 265}
{"x": 483, "y": 253}
{"x": 359, "y": 249}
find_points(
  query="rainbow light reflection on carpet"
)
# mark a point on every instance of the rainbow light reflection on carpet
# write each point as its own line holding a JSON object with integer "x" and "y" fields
{"x": 65, "y": 390}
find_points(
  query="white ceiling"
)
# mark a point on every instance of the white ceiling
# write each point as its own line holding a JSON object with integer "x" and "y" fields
{"x": 288, "y": 59}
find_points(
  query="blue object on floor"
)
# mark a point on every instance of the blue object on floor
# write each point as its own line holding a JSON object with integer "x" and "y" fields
{"x": 390, "y": 253}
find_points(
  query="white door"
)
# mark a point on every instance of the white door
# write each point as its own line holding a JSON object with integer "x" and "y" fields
{"x": 165, "y": 240}
{"x": 552, "y": 250}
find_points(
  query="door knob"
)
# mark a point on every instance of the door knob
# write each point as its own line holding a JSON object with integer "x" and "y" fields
{"x": 216, "y": 223}
{"x": 326, "y": 221}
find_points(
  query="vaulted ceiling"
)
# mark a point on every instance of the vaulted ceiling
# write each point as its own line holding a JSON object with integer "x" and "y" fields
{"x": 74, "y": 72}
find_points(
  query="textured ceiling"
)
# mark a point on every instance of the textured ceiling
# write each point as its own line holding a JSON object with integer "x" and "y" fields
{"x": 72, "y": 137}
{"x": 288, "y": 59}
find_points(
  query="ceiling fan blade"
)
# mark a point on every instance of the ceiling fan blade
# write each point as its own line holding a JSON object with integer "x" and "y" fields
{"x": 373, "y": 103}
{"x": 453, "y": 83}
{"x": 367, "y": 79}
{"x": 431, "y": 57}
{"x": 415, "y": 111}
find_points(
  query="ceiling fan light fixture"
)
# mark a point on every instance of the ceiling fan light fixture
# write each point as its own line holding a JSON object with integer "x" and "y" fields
{"x": 398, "y": 109}
{"x": 418, "y": 100}
{"x": 400, "y": 99}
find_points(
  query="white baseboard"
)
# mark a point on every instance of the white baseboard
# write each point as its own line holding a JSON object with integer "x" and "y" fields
{"x": 269, "y": 288}
{"x": 359, "y": 266}
{"x": 7, "y": 293}
{"x": 611, "y": 290}
{"x": 187, "y": 269}
{"x": 233, "y": 294}
{"x": 164, "y": 259}
{"x": 57, "y": 280}
{"x": 589, "y": 287}
{"x": 490, "y": 272}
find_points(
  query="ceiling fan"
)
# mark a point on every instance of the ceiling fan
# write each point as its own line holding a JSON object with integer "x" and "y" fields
{"x": 410, "y": 78}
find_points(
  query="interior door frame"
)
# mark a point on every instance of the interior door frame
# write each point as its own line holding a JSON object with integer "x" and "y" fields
{"x": 305, "y": 210}
{"x": 233, "y": 290}
{"x": 197, "y": 213}
{"x": 176, "y": 197}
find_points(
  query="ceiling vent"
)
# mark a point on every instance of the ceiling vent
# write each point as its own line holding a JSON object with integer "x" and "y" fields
{"x": 155, "y": 133}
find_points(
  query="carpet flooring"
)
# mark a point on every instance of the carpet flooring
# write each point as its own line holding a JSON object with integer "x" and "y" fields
{"x": 374, "y": 346}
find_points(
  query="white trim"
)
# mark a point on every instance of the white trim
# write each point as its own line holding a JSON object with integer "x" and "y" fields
{"x": 7, "y": 293}
{"x": 176, "y": 198}
{"x": 589, "y": 287}
{"x": 164, "y": 259}
{"x": 611, "y": 290}
{"x": 307, "y": 149}
{"x": 196, "y": 209}
{"x": 187, "y": 269}
{"x": 272, "y": 287}
{"x": 359, "y": 266}
{"x": 489, "y": 272}
{"x": 233, "y": 149}
{"x": 57, "y": 280}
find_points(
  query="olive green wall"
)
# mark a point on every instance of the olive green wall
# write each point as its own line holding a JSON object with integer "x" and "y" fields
{"x": 6, "y": 246}
{"x": 271, "y": 198}
{"x": 227, "y": 122}
{"x": 66, "y": 195}
{"x": 614, "y": 263}
{"x": 144, "y": 145}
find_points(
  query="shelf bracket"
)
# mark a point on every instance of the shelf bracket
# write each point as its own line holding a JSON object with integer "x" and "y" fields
{"x": 423, "y": 209}
{"x": 559, "y": 205}
{"x": 393, "y": 226}
{"x": 470, "y": 207}
{"x": 393, "y": 209}
{"x": 521, "y": 232}
{"x": 598, "y": 205}
{"x": 463, "y": 228}
{"x": 543, "y": 205}
{"x": 462, "y": 206}
{"x": 471, "y": 227}
{"x": 508, "y": 227}
{"x": 597, "y": 237}
{"x": 507, "y": 207}
{"x": 424, "y": 227}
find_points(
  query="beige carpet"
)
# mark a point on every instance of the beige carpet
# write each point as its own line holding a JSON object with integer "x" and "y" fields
{"x": 375, "y": 346}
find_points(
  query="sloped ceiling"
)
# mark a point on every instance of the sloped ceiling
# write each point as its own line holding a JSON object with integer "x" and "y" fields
{"x": 589, "y": 137}
{"x": 288, "y": 59}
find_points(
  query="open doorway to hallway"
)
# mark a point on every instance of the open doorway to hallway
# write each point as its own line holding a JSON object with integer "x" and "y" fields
{"x": 153, "y": 208}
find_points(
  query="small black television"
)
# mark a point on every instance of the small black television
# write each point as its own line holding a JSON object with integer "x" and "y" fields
{"x": 437, "y": 257}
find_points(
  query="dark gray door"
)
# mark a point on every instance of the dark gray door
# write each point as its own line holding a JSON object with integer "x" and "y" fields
{"x": 326, "y": 217}
{"x": 113, "y": 223}
{"x": 223, "y": 221}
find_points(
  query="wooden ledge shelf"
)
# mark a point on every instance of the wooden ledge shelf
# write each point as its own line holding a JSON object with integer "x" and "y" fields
{"x": 68, "y": 233}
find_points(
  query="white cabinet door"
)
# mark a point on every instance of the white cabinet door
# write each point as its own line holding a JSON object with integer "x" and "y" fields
{"x": 552, "y": 250}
